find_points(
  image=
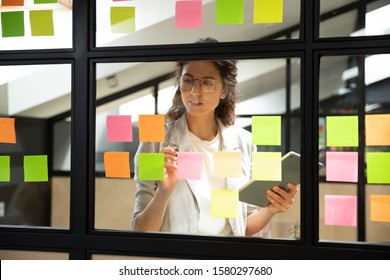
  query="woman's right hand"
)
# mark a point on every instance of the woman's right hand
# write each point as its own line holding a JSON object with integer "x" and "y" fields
{"x": 170, "y": 170}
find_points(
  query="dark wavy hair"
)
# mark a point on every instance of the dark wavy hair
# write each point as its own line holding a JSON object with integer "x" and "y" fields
{"x": 225, "y": 109}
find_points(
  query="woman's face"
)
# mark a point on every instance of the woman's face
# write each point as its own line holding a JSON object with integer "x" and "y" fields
{"x": 197, "y": 101}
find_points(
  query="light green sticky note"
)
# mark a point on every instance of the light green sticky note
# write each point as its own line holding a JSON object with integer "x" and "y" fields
{"x": 35, "y": 168}
{"x": 229, "y": 12}
{"x": 5, "y": 169}
{"x": 227, "y": 164}
{"x": 224, "y": 203}
{"x": 267, "y": 130}
{"x": 267, "y": 166}
{"x": 122, "y": 19}
{"x": 45, "y": 1}
{"x": 41, "y": 22}
{"x": 268, "y": 11}
{"x": 12, "y": 24}
{"x": 378, "y": 164}
{"x": 342, "y": 131}
{"x": 151, "y": 166}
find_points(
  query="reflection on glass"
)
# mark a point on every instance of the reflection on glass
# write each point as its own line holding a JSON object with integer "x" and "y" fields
{"x": 36, "y": 26}
{"x": 347, "y": 98}
{"x": 262, "y": 88}
{"x": 346, "y": 23}
{"x": 129, "y": 23}
{"x": 31, "y": 96}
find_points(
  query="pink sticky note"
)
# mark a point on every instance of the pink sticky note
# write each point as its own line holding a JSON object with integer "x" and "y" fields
{"x": 189, "y": 14}
{"x": 340, "y": 210}
{"x": 189, "y": 165}
{"x": 342, "y": 166}
{"x": 119, "y": 129}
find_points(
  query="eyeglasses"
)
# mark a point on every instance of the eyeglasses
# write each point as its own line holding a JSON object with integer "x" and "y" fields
{"x": 207, "y": 85}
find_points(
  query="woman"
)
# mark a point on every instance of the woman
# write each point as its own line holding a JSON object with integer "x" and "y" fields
{"x": 202, "y": 120}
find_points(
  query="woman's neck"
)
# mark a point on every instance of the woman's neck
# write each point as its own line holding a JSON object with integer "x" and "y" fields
{"x": 204, "y": 128}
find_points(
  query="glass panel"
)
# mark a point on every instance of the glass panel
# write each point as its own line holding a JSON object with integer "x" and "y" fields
{"x": 148, "y": 89}
{"x": 354, "y": 124}
{"x": 130, "y": 23}
{"x": 32, "y": 255}
{"x": 344, "y": 19}
{"x": 36, "y": 26}
{"x": 32, "y": 96}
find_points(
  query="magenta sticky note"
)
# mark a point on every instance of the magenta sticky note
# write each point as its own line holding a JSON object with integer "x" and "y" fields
{"x": 341, "y": 210}
{"x": 189, "y": 165}
{"x": 119, "y": 129}
{"x": 188, "y": 14}
{"x": 342, "y": 166}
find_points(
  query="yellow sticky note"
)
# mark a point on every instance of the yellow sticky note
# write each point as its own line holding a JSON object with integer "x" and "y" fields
{"x": 117, "y": 164}
{"x": 267, "y": 166}
{"x": 227, "y": 164}
{"x": 377, "y": 130}
{"x": 380, "y": 208}
{"x": 7, "y": 130}
{"x": 268, "y": 11}
{"x": 151, "y": 128}
{"x": 224, "y": 203}
{"x": 342, "y": 131}
{"x": 122, "y": 19}
{"x": 267, "y": 130}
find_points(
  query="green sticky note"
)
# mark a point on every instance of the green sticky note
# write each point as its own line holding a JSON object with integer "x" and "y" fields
{"x": 35, "y": 168}
{"x": 267, "y": 130}
{"x": 12, "y": 24}
{"x": 45, "y": 1}
{"x": 268, "y": 11}
{"x": 151, "y": 166}
{"x": 378, "y": 164}
{"x": 122, "y": 19}
{"x": 5, "y": 169}
{"x": 342, "y": 131}
{"x": 41, "y": 22}
{"x": 229, "y": 12}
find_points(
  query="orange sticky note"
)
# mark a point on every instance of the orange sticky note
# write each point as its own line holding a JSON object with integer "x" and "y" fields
{"x": 151, "y": 128}
{"x": 7, "y": 130}
{"x": 380, "y": 208}
{"x": 378, "y": 130}
{"x": 117, "y": 164}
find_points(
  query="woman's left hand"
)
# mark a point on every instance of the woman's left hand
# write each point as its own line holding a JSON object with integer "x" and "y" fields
{"x": 280, "y": 199}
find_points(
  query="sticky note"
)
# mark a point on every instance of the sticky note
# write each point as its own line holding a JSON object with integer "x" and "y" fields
{"x": 45, "y": 1}
{"x": 227, "y": 164}
{"x": 188, "y": 14}
{"x": 151, "y": 128}
{"x": 229, "y": 12}
{"x": 117, "y": 164}
{"x": 7, "y": 130}
{"x": 122, "y": 19}
{"x": 380, "y": 208}
{"x": 12, "y": 24}
{"x": 377, "y": 130}
{"x": 341, "y": 210}
{"x": 41, "y": 22}
{"x": 267, "y": 130}
{"x": 119, "y": 129}
{"x": 342, "y": 131}
{"x": 224, "y": 203}
{"x": 12, "y": 3}
{"x": 151, "y": 166}
{"x": 268, "y": 11}
{"x": 378, "y": 164}
{"x": 189, "y": 165}
{"x": 267, "y": 166}
{"x": 342, "y": 166}
{"x": 5, "y": 168}
{"x": 35, "y": 168}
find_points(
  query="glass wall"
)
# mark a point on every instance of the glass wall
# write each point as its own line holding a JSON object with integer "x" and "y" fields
{"x": 30, "y": 150}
